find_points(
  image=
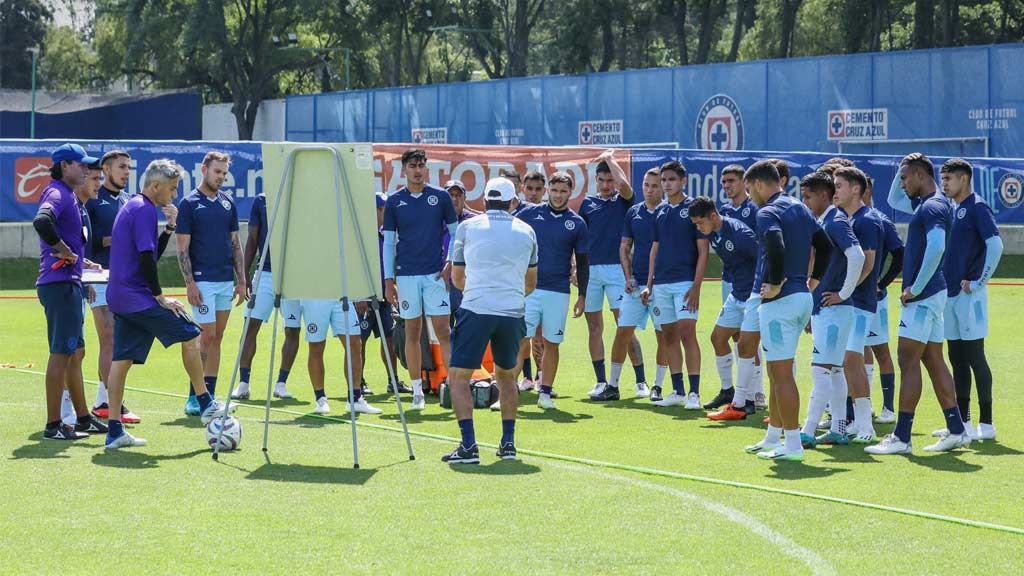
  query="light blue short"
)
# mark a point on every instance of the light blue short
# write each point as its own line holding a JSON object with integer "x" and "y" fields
{"x": 732, "y": 314}
{"x": 670, "y": 303}
{"x": 859, "y": 330}
{"x": 782, "y": 322}
{"x": 319, "y": 314}
{"x": 291, "y": 308}
{"x": 830, "y": 331}
{"x": 606, "y": 281}
{"x": 548, "y": 310}
{"x": 635, "y": 313}
{"x": 726, "y": 290}
{"x": 922, "y": 320}
{"x": 966, "y": 315}
{"x": 422, "y": 294}
{"x": 101, "y": 295}
{"x": 878, "y": 329}
{"x": 217, "y": 297}
{"x": 752, "y": 316}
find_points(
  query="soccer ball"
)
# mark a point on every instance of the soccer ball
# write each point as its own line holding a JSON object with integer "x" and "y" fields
{"x": 232, "y": 437}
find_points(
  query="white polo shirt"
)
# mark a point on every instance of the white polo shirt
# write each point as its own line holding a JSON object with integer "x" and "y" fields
{"x": 496, "y": 249}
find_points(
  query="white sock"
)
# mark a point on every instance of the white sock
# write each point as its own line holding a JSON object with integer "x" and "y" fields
{"x": 862, "y": 411}
{"x": 101, "y": 394}
{"x": 870, "y": 369}
{"x": 822, "y": 378}
{"x": 745, "y": 383}
{"x": 724, "y": 365}
{"x": 659, "y": 375}
{"x": 417, "y": 387}
{"x": 774, "y": 435}
{"x": 616, "y": 372}
{"x": 793, "y": 445}
{"x": 759, "y": 377}
{"x": 837, "y": 401}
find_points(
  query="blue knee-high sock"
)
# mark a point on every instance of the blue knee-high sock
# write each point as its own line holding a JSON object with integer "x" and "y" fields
{"x": 282, "y": 376}
{"x": 953, "y": 420}
{"x": 244, "y": 374}
{"x": 677, "y": 384}
{"x": 694, "y": 383}
{"x": 508, "y": 431}
{"x": 888, "y": 390}
{"x": 904, "y": 423}
{"x": 468, "y": 435}
{"x": 638, "y": 371}
{"x": 528, "y": 369}
{"x": 599, "y": 371}
{"x": 211, "y": 384}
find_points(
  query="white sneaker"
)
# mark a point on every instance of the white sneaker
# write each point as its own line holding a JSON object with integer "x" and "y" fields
{"x": 496, "y": 406}
{"x": 215, "y": 410}
{"x": 241, "y": 392}
{"x": 642, "y": 391}
{"x": 672, "y": 399}
{"x": 125, "y": 440}
{"x": 362, "y": 407}
{"x": 418, "y": 403}
{"x": 949, "y": 442}
{"x": 526, "y": 384}
{"x": 763, "y": 446}
{"x": 322, "y": 406}
{"x": 546, "y": 402}
{"x": 760, "y": 401}
{"x": 67, "y": 410}
{"x": 886, "y": 417}
{"x": 985, "y": 432}
{"x": 598, "y": 388}
{"x": 970, "y": 430}
{"x": 281, "y": 391}
{"x": 852, "y": 428}
{"x": 890, "y": 444}
{"x": 693, "y": 402}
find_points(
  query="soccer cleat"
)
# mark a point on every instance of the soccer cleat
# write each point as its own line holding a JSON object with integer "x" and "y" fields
{"x": 825, "y": 424}
{"x": 763, "y": 446}
{"x": 866, "y": 435}
{"x": 322, "y": 406}
{"x": 760, "y": 401}
{"x": 598, "y": 388}
{"x": 402, "y": 388}
{"x": 546, "y": 402}
{"x": 606, "y": 394}
{"x": 462, "y": 455}
{"x": 641, "y": 390}
{"x": 808, "y": 441}
{"x": 507, "y": 451}
{"x": 526, "y": 384}
{"x": 886, "y": 417}
{"x": 692, "y": 401}
{"x": 101, "y": 411}
{"x": 363, "y": 407}
{"x": 730, "y": 412}
{"x": 215, "y": 410}
{"x": 496, "y": 406}
{"x": 362, "y": 386}
{"x": 192, "y": 406}
{"x": 950, "y": 442}
{"x": 890, "y": 444}
{"x": 971, "y": 431}
{"x": 833, "y": 438}
{"x": 125, "y": 440}
{"x": 63, "y": 432}
{"x": 655, "y": 394}
{"x": 780, "y": 454}
{"x": 281, "y": 391}
{"x": 723, "y": 398}
{"x": 985, "y": 432}
{"x": 91, "y": 426}
{"x": 128, "y": 417}
{"x": 241, "y": 392}
{"x": 418, "y": 403}
{"x": 672, "y": 399}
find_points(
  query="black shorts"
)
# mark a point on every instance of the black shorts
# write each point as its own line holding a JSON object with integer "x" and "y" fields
{"x": 368, "y": 323}
{"x": 134, "y": 332}
{"x": 473, "y": 332}
{"x": 65, "y": 316}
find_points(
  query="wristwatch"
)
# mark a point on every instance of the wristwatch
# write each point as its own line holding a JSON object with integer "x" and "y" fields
{"x": 170, "y": 228}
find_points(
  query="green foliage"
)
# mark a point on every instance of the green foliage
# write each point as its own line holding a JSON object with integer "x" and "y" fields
{"x": 67, "y": 64}
{"x": 23, "y": 25}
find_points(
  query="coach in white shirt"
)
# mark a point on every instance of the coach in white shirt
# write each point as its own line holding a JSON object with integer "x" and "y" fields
{"x": 494, "y": 263}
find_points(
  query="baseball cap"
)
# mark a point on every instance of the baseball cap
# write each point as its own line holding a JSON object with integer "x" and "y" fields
{"x": 69, "y": 151}
{"x": 499, "y": 189}
{"x": 455, "y": 184}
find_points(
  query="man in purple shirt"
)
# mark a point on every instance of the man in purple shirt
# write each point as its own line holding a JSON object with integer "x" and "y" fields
{"x": 61, "y": 257}
{"x": 141, "y": 311}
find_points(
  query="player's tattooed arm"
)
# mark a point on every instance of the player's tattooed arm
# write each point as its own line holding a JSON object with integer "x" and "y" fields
{"x": 241, "y": 282}
{"x": 195, "y": 297}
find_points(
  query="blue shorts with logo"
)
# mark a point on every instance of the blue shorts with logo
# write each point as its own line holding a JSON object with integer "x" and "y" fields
{"x": 263, "y": 304}
{"x": 878, "y": 328}
{"x": 217, "y": 297}
{"x": 65, "y": 316}
{"x": 548, "y": 310}
{"x": 473, "y": 332}
{"x": 634, "y": 312}
{"x": 321, "y": 314}
{"x": 368, "y": 324}
{"x": 830, "y": 331}
{"x": 966, "y": 315}
{"x": 726, "y": 290}
{"x": 670, "y": 303}
{"x": 424, "y": 294}
{"x": 134, "y": 332}
{"x": 859, "y": 330}
{"x": 922, "y": 320}
{"x": 752, "y": 315}
{"x": 606, "y": 281}
{"x": 782, "y": 322}
{"x": 732, "y": 314}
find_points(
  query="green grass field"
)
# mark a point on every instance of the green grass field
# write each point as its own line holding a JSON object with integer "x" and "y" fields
{"x": 600, "y": 489}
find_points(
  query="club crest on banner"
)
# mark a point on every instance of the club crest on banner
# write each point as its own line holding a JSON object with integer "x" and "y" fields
{"x": 719, "y": 124}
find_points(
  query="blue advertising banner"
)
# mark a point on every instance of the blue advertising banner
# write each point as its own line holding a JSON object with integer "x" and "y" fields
{"x": 25, "y": 169}
{"x": 1000, "y": 182}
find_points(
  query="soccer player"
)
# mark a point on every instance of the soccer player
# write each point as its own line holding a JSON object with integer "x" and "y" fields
{"x": 141, "y": 312}
{"x": 560, "y": 235}
{"x": 534, "y": 187}
{"x": 635, "y": 254}
{"x": 923, "y": 299}
{"x": 58, "y": 222}
{"x": 736, "y": 245}
{"x": 679, "y": 256}
{"x": 740, "y": 207}
{"x": 604, "y": 215}
{"x": 975, "y": 249}
{"x": 787, "y": 231}
{"x": 319, "y": 315}
{"x": 415, "y": 219}
{"x": 116, "y": 166}
{"x": 261, "y": 305}
{"x": 495, "y": 264}
{"x": 211, "y": 262}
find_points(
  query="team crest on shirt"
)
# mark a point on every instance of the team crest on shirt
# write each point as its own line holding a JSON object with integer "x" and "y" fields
{"x": 684, "y": 213}
{"x": 746, "y": 212}
{"x": 961, "y": 213}
{"x": 570, "y": 225}
{"x": 226, "y": 204}
{"x": 728, "y": 245}
{"x": 432, "y": 200}
{"x": 1011, "y": 189}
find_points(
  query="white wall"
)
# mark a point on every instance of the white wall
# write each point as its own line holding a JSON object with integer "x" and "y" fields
{"x": 219, "y": 122}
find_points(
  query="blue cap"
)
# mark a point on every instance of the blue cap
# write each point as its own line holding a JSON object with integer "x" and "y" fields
{"x": 71, "y": 151}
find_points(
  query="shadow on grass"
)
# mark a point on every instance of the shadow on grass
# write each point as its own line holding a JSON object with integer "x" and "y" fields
{"x": 948, "y": 462}
{"x": 185, "y": 422}
{"x": 802, "y": 470}
{"x": 275, "y": 403}
{"x": 498, "y": 468}
{"x": 130, "y": 458}
{"x": 558, "y": 416}
{"x": 994, "y": 448}
{"x": 437, "y": 415}
{"x": 642, "y": 404}
{"x": 43, "y": 449}
{"x": 304, "y": 474}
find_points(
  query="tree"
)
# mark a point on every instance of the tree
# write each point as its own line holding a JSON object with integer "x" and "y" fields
{"x": 789, "y": 14}
{"x": 711, "y": 11}
{"x": 743, "y": 20}
{"x": 66, "y": 64}
{"x": 499, "y": 33}
{"x": 924, "y": 24}
{"x": 23, "y": 25}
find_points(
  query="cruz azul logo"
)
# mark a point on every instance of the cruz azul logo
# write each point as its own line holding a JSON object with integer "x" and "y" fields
{"x": 719, "y": 124}
{"x": 1011, "y": 189}
{"x": 31, "y": 175}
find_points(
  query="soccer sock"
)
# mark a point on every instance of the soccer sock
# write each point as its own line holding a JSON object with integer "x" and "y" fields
{"x": 191, "y": 390}
{"x": 357, "y": 393}
{"x": 677, "y": 384}
{"x": 793, "y": 445}
{"x": 904, "y": 423}
{"x": 694, "y": 383}
{"x": 528, "y": 369}
{"x": 820, "y": 393}
{"x": 774, "y": 435}
{"x": 244, "y": 374}
{"x": 745, "y": 385}
{"x": 508, "y": 431}
{"x": 638, "y": 372}
{"x": 659, "y": 375}
{"x": 468, "y": 435}
{"x": 870, "y": 369}
{"x": 862, "y": 412}
{"x": 888, "y": 390}
{"x": 417, "y": 387}
{"x": 204, "y": 401}
{"x": 616, "y": 372}
{"x": 724, "y": 365}
{"x": 319, "y": 393}
{"x": 599, "y": 370}
{"x": 282, "y": 376}
{"x": 850, "y": 415}
{"x": 101, "y": 394}
{"x": 954, "y": 422}
{"x": 211, "y": 384}
{"x": 52, "y": 425}
{"x": 114, "y": 429}
{"x": 545, "y": 389}
{"x": 837, "y": 399}
{"x": 759, "y": 378}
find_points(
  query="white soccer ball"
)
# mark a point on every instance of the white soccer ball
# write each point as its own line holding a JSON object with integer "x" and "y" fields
{"x": 232, "y": 436}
